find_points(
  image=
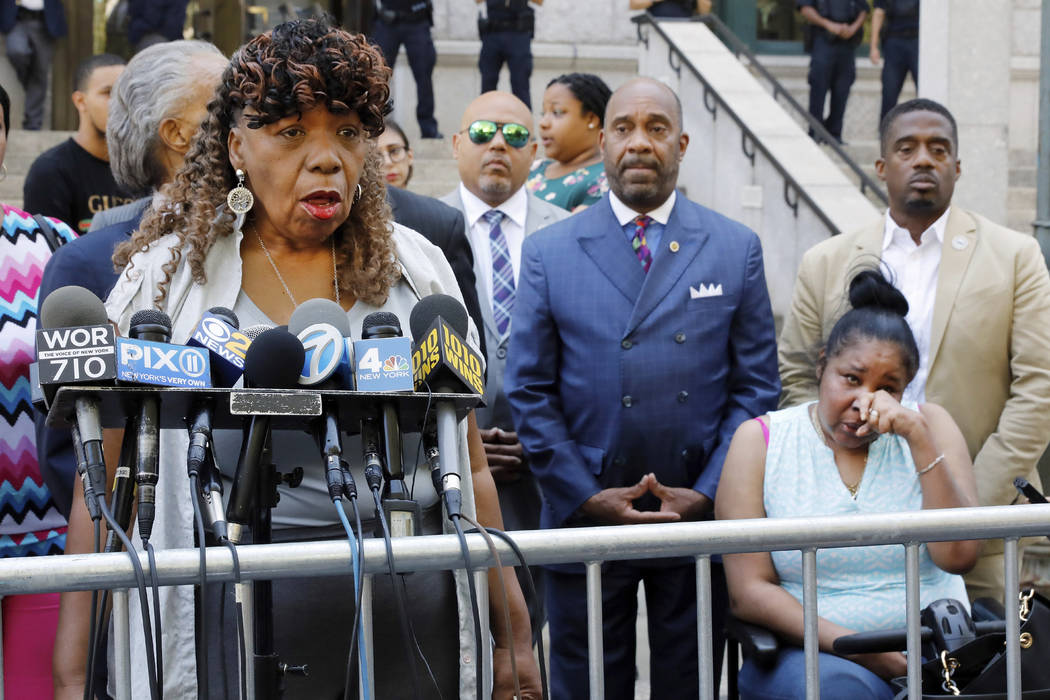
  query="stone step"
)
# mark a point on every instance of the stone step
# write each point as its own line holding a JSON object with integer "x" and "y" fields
{"x": 1021, "y": 177}
{"x": 11, "y": 189}
{"x": 1023, "y": 158}
{"x": 1020, "y": 198}
{"x": 1020, "y": 219}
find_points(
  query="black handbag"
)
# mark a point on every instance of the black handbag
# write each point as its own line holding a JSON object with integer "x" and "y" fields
{"x": 977, "y": 669}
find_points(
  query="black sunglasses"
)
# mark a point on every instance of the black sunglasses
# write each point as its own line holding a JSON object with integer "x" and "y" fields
{"x": 483, "y": 131}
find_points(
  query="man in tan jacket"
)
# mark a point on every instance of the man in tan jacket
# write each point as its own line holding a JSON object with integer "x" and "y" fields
{"x": 979, "y": 298}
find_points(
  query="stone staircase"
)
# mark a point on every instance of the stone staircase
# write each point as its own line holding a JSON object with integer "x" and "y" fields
{"x": 23, "y": 147}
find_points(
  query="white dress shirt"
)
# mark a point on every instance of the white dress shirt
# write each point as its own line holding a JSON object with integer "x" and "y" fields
{"x": 515, "y": 209}
{"x": 913, "y": 269}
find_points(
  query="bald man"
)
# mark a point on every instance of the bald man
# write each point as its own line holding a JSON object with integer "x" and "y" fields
{"x": 643, "y": 336}
{"x": 494, "y": 148}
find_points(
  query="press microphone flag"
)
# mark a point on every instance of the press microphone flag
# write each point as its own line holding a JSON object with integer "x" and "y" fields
{"x": 75, "y": 343}
{"x": 442, "y": 360}
{"x": 217, "y": 332}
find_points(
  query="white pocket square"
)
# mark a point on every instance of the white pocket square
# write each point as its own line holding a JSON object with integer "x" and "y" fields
{"x": 706, "y": 290}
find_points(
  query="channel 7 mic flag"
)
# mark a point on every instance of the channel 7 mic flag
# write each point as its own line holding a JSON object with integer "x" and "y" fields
{"x": 442, "y": 356}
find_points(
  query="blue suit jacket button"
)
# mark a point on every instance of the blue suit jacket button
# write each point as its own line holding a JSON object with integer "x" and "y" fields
{"x": 626, "y": 401}
{"x": 626, "y": 344}
{"x": 501, "y": 354}
{"x": 682, "y": 396}
{"x": 679, "y": 338}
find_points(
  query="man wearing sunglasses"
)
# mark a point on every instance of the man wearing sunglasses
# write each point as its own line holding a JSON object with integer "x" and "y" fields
{"x": 643, "y": 336}
{"x": 494, "y": 149}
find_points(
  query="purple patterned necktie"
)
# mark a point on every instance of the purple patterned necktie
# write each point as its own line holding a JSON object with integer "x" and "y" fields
{"x": 502, "y": 273}
{"x": 638, "y": 243}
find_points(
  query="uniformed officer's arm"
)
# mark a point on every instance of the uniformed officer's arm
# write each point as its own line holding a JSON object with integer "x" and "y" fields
{"x": 878, "y": 17}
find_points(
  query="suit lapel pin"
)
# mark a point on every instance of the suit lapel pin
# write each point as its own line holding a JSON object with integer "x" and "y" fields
{"x": 674, "y": 246}
{"x": 960, "y": 243}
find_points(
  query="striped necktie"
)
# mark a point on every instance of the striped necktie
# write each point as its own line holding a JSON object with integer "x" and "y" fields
{"x": 502, "y": 273}
{"x": 638, "y": 243}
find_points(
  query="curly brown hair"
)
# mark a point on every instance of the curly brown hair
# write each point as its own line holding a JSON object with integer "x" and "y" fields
{"x": 296, "y": 66}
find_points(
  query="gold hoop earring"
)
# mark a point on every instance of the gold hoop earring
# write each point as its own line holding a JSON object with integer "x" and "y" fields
{"x": 240, "y": 199}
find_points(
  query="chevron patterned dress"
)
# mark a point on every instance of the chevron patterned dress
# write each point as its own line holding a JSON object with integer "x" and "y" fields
{"x": 29, "y": 522}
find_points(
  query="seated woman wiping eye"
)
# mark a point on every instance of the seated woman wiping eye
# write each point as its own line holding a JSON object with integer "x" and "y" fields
{"x": 857, "y": 449}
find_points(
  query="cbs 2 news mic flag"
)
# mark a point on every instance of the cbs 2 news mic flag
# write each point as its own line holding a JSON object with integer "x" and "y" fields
{"x": 228, "y": 343}
{"x": 443, "y": 358}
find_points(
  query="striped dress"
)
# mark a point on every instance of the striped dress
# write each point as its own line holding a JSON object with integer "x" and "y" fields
{"x": 30, "y": 524}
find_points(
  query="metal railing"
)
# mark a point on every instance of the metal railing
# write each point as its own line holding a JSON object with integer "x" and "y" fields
{"x": 591, "y": 546}
{"x": 677, "y": 56}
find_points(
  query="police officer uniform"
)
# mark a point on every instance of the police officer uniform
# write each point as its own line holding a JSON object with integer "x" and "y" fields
{"x": 832, "y": 64}
{"x": 900, "y": 48}
{"x": 506, "y": 37}
{"x": 408, "y": 22}
{"x": 672, "y": 8}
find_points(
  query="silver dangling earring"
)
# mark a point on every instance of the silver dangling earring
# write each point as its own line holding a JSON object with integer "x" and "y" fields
{"x": 3, "y": 171}
{"x": 357, "y": 195}
{"x": 240, "y": 199}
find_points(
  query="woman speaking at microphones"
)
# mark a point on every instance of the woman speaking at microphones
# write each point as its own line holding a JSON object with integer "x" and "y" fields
{"x": 280, "y": 201}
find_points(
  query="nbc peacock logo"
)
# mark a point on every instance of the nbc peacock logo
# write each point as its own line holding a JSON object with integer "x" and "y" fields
{"x": 395, "y": 363}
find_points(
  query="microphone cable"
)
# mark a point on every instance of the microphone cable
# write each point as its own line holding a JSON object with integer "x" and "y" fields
{"x": 152, "y": 561}
{"x": 98, "y": 618}
{"x": 530, "y": 587}
{"x": 140, "y": 583}
{"x": 473, "y": 595}
{"x": 374, "y": 477}
{"x": 506, "y": 601}
{"x": 198, "y": 519}
{"x": 355, "y": 645}
{"x": 419, "y": 445}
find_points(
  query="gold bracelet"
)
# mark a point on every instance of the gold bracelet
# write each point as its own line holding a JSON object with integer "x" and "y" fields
{"x": 931, "y": 465}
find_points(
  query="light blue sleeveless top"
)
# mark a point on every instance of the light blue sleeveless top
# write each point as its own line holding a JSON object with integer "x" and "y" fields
{"x": 861, "y": 588}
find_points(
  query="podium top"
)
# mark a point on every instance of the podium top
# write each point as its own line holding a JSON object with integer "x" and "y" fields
{"x": 288, "y": 408}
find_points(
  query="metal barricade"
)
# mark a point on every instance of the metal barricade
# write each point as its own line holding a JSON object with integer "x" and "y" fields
{"x": 591, "y": 546}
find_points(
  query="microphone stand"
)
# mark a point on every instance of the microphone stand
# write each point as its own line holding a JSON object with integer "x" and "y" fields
{"x": 268, "y": 672}
{"x": 268, "y": 682}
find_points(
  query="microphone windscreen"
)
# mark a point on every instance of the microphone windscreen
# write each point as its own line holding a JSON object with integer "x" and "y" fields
{"x": 253, "y": 332}
{"x": 226, "y": 315}
{"x": 381, "y": 322}
{"x": 72, "y": 306}
{"x": 319, "y": 311}
{"x": 151, "y": 317}
{"x": 274, "y": 360}
{"x": 443, "y": 305}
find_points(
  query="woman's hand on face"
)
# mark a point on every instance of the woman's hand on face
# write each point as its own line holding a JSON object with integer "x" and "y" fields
{"x": 882, "y": 413}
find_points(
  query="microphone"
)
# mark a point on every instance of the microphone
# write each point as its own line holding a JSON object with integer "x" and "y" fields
{"x": 322, "y": 327}
{"x": 217, "y": 332}
{"x": 273, "y": 360}
{"x": 76, "y": 345}
{"x": 446, "y": 364}
{"x": 442, "y": 359}
{"x": 151, "y": 328}
{"x": 382, "y": 358}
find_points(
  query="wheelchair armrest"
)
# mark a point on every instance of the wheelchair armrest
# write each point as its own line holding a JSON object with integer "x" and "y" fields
{"x": 758, "y": 643}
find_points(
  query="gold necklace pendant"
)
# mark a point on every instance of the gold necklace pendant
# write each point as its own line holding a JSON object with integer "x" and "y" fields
{"x": 852, "y": 488}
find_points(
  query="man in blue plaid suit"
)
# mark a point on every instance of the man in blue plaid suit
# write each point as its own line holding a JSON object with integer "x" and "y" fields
{"x": 642, "y": 336}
